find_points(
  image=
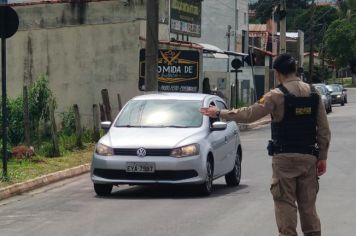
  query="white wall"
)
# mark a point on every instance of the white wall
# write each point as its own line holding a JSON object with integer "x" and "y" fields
{"x": 81, "y": 49}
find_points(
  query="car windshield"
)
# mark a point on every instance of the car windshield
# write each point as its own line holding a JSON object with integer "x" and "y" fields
{"x": 320, "y": 89}
{"x": 161, "y": 113}
{"x": 333, "y": 88}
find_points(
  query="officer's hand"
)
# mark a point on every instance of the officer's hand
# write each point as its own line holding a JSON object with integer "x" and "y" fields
{"x": 209, "y": 111}
{"x": 321, "y": 167}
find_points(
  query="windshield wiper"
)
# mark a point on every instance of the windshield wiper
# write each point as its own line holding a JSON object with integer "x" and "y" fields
{"x": 153, "y": 126}
{"x": 175, "y": 126}
{"x": 128, "y": 126}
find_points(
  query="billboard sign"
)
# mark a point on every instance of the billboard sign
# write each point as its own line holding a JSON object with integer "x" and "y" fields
{"x": 186, "y": 17}
{"x": 178, "y": 71}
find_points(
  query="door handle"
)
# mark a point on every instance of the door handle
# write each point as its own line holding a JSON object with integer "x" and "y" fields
{"x": 225, "y": 139}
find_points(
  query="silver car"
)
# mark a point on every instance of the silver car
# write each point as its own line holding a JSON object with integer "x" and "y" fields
{"x": 164, "y": 139}
{"x": 325, "y": 96}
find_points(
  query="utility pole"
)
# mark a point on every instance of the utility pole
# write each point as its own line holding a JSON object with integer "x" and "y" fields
{"x": 274, "y": 30}
{"x": 311, "y": 44}
{"x": 282, "y": 27}
{"x": 151, "y": 57}
{"x": 228, "y": 35}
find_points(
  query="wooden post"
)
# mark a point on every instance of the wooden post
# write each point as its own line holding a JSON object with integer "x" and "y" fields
{"x": 106, "y": 102}
{"x": 252, "y": 95}
{"x": 233, "y": 96}
{"x": 102, "y": 113}
{"x": 119, "y": 102}
{"x": 55, "y": 150}
{"x": 26, "y": 117}
{"x": 78, "y": 127}
{"x": 96, "y": 133}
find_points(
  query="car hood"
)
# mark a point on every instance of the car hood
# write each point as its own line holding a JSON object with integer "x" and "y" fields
{"x": 336, "y": 93}
{"x": 151, "y": 137}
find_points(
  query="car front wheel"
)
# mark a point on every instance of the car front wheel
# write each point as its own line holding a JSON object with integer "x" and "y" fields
{"x": 233, "y": 177}
{"x": 206, "y": 188}
{"x": 102, "y": 189}
{"x": 330, "y": 109}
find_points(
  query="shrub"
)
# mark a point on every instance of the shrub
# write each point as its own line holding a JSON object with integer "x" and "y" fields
{"x": 46, "y": 149}
{"x": 39, "y": 97}
{"x": 67, "y": 142}
{"x": 68, "y": 122}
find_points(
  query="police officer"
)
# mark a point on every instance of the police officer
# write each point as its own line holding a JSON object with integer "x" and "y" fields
{"x": 299, "y": 145}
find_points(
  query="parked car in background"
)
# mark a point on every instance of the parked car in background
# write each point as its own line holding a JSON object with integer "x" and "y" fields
{"x": 325, "y": 96}
{"x": 164, "y": 139}
{"x": 337, "y": 95}
{"x": 344, "y": 91}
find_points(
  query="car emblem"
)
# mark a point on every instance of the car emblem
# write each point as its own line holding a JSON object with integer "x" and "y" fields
{"x": 141, "y": 152}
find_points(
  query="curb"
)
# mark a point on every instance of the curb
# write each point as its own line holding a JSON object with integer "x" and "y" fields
{"x": 19, "y": 188}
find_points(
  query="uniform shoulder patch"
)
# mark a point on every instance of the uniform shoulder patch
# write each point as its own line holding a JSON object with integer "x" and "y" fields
{"x": 262, "y": 100}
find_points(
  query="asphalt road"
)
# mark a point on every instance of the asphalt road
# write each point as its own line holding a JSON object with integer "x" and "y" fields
{"x": 71, "y": 207}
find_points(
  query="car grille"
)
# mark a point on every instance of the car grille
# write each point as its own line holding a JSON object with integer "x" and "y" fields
{"x": 158, "y": 175}
{"x": 149, "y": 152}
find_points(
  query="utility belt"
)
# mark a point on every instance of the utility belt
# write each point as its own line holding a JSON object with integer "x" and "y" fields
{"x": 277, "y": 149}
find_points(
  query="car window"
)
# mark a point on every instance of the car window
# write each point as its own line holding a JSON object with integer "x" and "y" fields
{"x": 212, "y": 120}
{"x": 221, "y": 106}
{"x": 161, "y": 113}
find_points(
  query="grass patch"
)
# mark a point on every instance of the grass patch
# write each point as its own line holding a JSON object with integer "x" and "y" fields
{"x": 347, "y": 82}
{"x": 23, "y": 170}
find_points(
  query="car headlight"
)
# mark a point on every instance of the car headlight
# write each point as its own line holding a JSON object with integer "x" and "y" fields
{"x": 338, "y": 96}
{"x": 186, "y": 151}
{"x": 104, "y": 150}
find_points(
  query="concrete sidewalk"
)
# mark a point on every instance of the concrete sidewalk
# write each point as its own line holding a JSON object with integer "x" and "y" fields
{"x": 41, "y": 181}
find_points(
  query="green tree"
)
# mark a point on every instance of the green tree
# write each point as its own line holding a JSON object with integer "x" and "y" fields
{"x": 323, "y": 17}
{"x": 264, "y": 9}
{"x": 340, "y": 44}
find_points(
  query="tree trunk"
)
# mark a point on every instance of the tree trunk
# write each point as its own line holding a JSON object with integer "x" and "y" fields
{"x": 78, "y": 127}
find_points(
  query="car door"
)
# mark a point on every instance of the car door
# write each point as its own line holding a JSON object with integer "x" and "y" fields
{"x": 230, "y": 145}
{"x": 217, "y": 141}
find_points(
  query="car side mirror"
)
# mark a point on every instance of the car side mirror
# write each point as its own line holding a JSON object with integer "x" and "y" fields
{"x": 344, "y": 90}
{"x": 218, "y": 125}
{"x": 105, "y": 125}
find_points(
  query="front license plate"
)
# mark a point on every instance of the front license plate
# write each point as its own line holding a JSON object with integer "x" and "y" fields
{"x": 145, "y": 167}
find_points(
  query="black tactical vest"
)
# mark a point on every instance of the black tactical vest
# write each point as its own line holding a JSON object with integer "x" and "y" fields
{"x": 296, "y": 133}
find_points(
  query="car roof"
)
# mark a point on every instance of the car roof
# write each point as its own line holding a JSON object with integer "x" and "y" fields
{"x": 334, "y": 85}
{"x": 174, "y": 96}
{"x": 319, "y": 84}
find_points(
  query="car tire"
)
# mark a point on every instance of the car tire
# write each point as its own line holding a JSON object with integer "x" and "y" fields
{"x": 330, "y": 108}
{"x": 206, "y": 188}
{"x": 233, "y": 177}
{"x": 103, "y": 189}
